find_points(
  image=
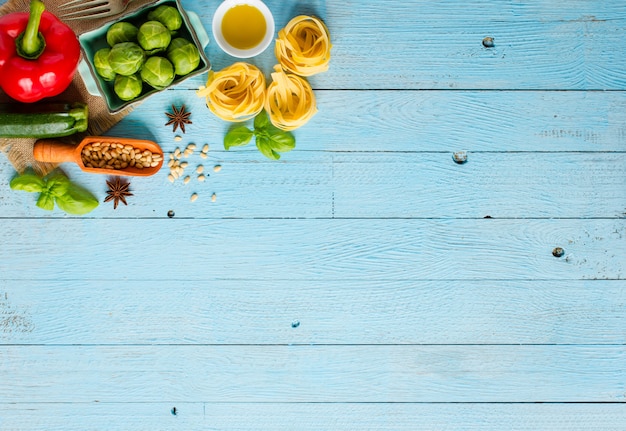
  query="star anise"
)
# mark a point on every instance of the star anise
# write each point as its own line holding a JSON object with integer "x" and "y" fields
{"x": 179, "y": 118}
{"x": 118, "y": 190}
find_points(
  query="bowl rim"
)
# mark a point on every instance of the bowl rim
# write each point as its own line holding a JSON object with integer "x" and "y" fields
{"x": 229, "y": 49}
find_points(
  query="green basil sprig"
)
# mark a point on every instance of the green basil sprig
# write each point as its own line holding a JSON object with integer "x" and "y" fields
{"x": 270, "y": 140}
{"x": 56, "y": 187}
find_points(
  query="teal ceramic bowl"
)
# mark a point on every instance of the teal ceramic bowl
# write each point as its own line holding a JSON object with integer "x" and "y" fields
{"x": 191, "y": 29}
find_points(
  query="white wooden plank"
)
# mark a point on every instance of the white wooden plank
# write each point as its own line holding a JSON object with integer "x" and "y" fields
{"x": 312, "y": 417}
{"x": 312, "y": 312}
{"x": 420, "y": 185}
{"x": 422, "y": 44}
{"x": 501, "y": 373}
{"x": 271, "y": 249}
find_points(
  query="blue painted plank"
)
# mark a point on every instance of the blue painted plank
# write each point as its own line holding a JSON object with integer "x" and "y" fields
{"x": 348, "y": 373}
{"x": 216, "y": 311}
{"x": 291, "y": 249}
{"x": 313, "y": 417}
{"x": 366, "y": 185}
{"x": 422, "y": 44}
{"x": 401, "y": 120}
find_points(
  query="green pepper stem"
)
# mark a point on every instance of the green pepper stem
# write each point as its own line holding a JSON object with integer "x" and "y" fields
{"x": 31, "y": 42}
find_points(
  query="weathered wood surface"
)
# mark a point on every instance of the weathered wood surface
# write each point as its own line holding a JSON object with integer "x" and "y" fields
{"x": 313, "y": 417}
{"x": 337, "y": 312}
{"x": 366, "y": 280}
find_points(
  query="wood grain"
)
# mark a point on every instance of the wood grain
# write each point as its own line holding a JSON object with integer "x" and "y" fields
{"x": 312, "y": 417}
{"x": 319, "y": 249}
{"x": 415, "y": 121}
{"x": 348, "y": 373}
{"x": 355, "y": 283}
{"x": 422, "y": 44}
{"x": 372, "y": 185}
{"x": 288, "y": 312}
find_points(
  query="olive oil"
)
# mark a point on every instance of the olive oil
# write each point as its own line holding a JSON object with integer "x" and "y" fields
{"x": 243, "y": 26}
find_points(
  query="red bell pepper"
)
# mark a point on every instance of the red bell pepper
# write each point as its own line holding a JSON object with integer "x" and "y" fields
{"x": 38, "y": 54}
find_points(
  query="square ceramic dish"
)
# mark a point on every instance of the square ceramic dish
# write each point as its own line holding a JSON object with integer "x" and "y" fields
{"x": 94, "y": 40}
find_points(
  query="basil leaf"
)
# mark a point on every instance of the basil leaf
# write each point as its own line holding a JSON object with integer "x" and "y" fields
{"x": 237, "y": 137}
{"x": 76, "y": 200}
{"x": 261, "y": 121}
{"x": 57, "y": 183}
{"x": 46, "y": 201}
{"x": 282, "y": 141}
{"x": 28, "y": 183}
{"x": 264, "y": 146}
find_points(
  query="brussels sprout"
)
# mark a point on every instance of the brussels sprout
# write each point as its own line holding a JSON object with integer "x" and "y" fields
{"x": 126, "y": 58}
{"x": 158, "y": 72}
{"x": 184, "y": 56}
{"x": 168, "y": 16}
{"x": 101, "y": 63}
{"x": 121, "y": 32}
{"x": 127, "y": 87}
{"x": 153, "y": 36}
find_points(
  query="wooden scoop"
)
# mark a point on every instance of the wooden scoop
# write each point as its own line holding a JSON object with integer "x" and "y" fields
{"x": 136, "y": 157}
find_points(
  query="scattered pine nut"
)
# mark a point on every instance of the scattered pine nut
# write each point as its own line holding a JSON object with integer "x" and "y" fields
{"x": 171, "y": 178}
{"x": 199, "y": 169}
{"x": 217, "y": 168}
{"x": 193, "y": 197}
{"x": 203, "y": 155}
{"x": 177, "y": 138}
{"x": 201, "y": 178}
{"x": 213, "y": 197}
{"x": 187, "y": 179}
{"x": 205, "y": 149}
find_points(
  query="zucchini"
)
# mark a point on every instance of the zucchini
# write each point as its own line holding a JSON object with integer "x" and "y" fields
{"x": 49, "y": 120}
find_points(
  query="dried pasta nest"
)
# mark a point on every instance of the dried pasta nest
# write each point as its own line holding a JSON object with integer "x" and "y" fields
{"x": 290, "y": 101}
{"x": 303, "y": 46}
{"x": 235, "y": 93}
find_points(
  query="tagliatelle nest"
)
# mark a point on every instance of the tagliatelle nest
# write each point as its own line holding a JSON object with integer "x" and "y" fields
{"x": 290, "y": 101}
{"x": 303, "y": 46}
{"x": 235, "y": 93}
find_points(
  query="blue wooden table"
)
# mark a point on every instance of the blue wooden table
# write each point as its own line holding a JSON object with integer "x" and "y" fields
{"x": 366, "y": 280}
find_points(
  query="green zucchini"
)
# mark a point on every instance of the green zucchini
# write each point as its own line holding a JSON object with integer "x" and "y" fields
{"x": 49, "y": 120}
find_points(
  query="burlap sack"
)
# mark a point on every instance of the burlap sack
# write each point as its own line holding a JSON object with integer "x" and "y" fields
{"x": 20, "y": 151}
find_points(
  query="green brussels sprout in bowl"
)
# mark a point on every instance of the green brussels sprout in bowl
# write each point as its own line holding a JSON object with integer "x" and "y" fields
{"x": 126, "y": 58}
{"x": 158, "y": 72}
{"x": 184, "y": 56}
{"x": 102, "y": 65}
{"x": 128, "y": 87}
{"x": 154, "y": 36}
{"x": 99, "y": 73}
{"x": 121, "y": 32}
{"x": 168, "y": 16}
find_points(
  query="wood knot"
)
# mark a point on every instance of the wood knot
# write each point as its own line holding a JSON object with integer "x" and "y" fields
{"x": 558, "y": 252}
{"x": 459, "y": 157}
{"x": 488, "y": 42}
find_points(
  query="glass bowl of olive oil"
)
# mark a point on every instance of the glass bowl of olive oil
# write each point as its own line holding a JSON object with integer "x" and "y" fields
{"x": 243, "y": 28}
